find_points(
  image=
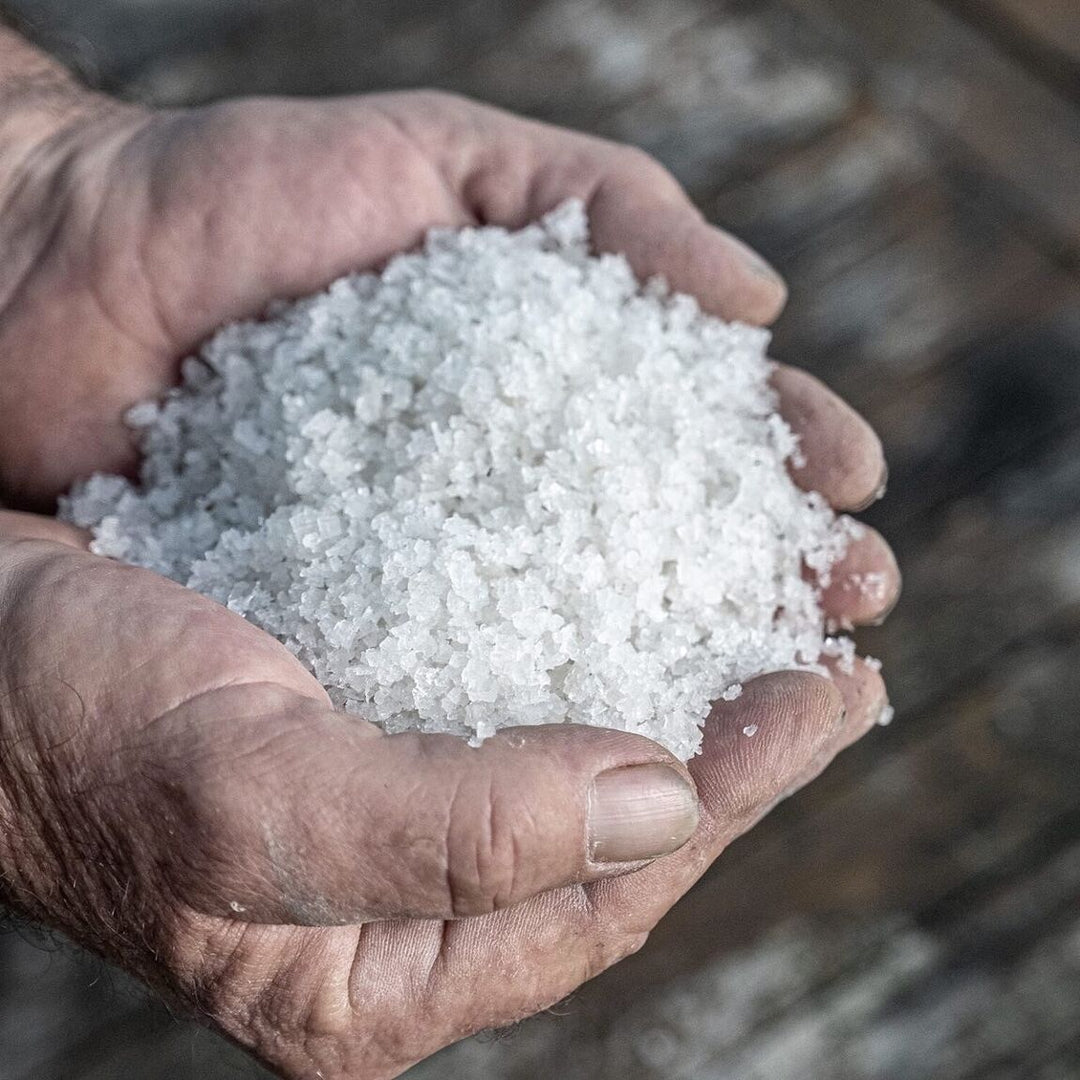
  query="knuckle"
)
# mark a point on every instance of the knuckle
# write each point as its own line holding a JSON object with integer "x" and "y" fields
{"x": 645, "y": 166}
{"x": 483, "y": 852}
{"x": 211, "y": 799}
{"x": 438, "y": 98}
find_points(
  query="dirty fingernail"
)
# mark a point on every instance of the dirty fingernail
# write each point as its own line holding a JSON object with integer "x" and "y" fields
{"x": 879, "y": 491}
{"x": 883, "y": 484}
{"x": 640, "y": 812}
{"x": 765, "y": 270}
{"x": 756, "y": 264}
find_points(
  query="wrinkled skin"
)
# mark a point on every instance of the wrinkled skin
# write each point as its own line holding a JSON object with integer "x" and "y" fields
{"x": 176, "y": 791}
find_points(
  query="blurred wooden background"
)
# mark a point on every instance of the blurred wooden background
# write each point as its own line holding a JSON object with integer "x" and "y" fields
{"x": 914, "y": 170}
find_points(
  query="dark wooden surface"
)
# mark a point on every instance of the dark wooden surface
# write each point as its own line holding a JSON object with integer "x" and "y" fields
{"x": 914, "y": 169}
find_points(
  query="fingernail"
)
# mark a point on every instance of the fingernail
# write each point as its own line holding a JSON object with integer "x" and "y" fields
{"x": 756, "y": 264}
{"x": 640, "y": 812}
{"x": 879, "y": 491}
{"x": 763, "y": 269}
{"x": 883, "y": 483}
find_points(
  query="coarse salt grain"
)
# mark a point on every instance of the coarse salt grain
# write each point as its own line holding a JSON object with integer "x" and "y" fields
{"x": 498, "y": 484}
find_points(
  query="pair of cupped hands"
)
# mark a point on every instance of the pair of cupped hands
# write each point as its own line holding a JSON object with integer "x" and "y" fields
{"x": 176, "y": 791}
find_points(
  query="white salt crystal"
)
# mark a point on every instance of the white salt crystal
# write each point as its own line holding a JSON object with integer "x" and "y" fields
{"x": 499, "y": 484}
{"x": 141, "y": 415}
{"x": 750, "y": 730}
{"x": 873, "y": 585}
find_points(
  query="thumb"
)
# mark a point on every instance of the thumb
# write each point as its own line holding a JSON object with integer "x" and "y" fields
{"x": 312, "y": 817}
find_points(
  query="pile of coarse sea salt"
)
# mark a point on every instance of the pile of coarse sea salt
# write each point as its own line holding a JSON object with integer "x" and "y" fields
{"x": 499, "y": 483}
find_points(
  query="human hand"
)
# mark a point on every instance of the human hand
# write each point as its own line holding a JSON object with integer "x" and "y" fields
{"x": 177, "y": 793}
{"x": 131, "y": 236}
{"x": 175, "y": 790}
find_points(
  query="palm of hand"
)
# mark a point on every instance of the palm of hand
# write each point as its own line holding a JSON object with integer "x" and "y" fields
{"x": 216, "y": 737}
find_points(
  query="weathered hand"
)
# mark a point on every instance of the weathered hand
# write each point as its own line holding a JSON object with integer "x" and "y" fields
{"x": 131, "y": 236}
{"x": 175, "y": 791}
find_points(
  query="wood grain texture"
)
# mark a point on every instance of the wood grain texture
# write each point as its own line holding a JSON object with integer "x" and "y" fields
{"x": 1017, "y": 131}
{"x": 912, "y": 913}
{"x": 1042, "y": 35}
{"x": 1054, "y": 23}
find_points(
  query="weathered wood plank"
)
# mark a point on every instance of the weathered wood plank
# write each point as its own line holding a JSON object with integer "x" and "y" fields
{"x": 1005, "y": 400}
{"x": 878, "y": 298}
{"x": 699, "y": 83}
{"x": 1043, "y": 35}
{"x": 899, "y": 265}
{"x": 851, "y": 996}
{"x": 1054, "y": 23}
{"x": 930, "y": 62}
{"x": 868, "y": 162}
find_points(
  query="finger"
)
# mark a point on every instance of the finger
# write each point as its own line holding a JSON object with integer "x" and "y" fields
{"x": 866, "y": 700}
{"x": 489, "y": 971}
{"x": 755, "y": 747}
{"x": 754, "y": 750}
{"x": 640, "y": 211}
{"x": 518, "y": 170}
{"x": 15, "y": 525}
{"x": 864, "y": 586}
{"x": 844, "y": 459}
{"x": 321, "y": 819}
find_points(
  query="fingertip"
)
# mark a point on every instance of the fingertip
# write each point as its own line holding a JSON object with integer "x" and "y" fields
{"x": 728, "y": 278}
{"x": 756, "y": 746}
{"x": 771, "y": 307}
{"x": 843, "y": 457}
{"x": 765, "y": 291}
{"x": 565, "y": 803}
{"x": 648, "y": 218}
{"x": 873, "y": 489}
{"x": 866, "y": 698}
{"x": 638, "y": 813}
{"x": 641, "y": 800}
{"x": 865, "y": 585}
{"x": 803, "y": 699}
